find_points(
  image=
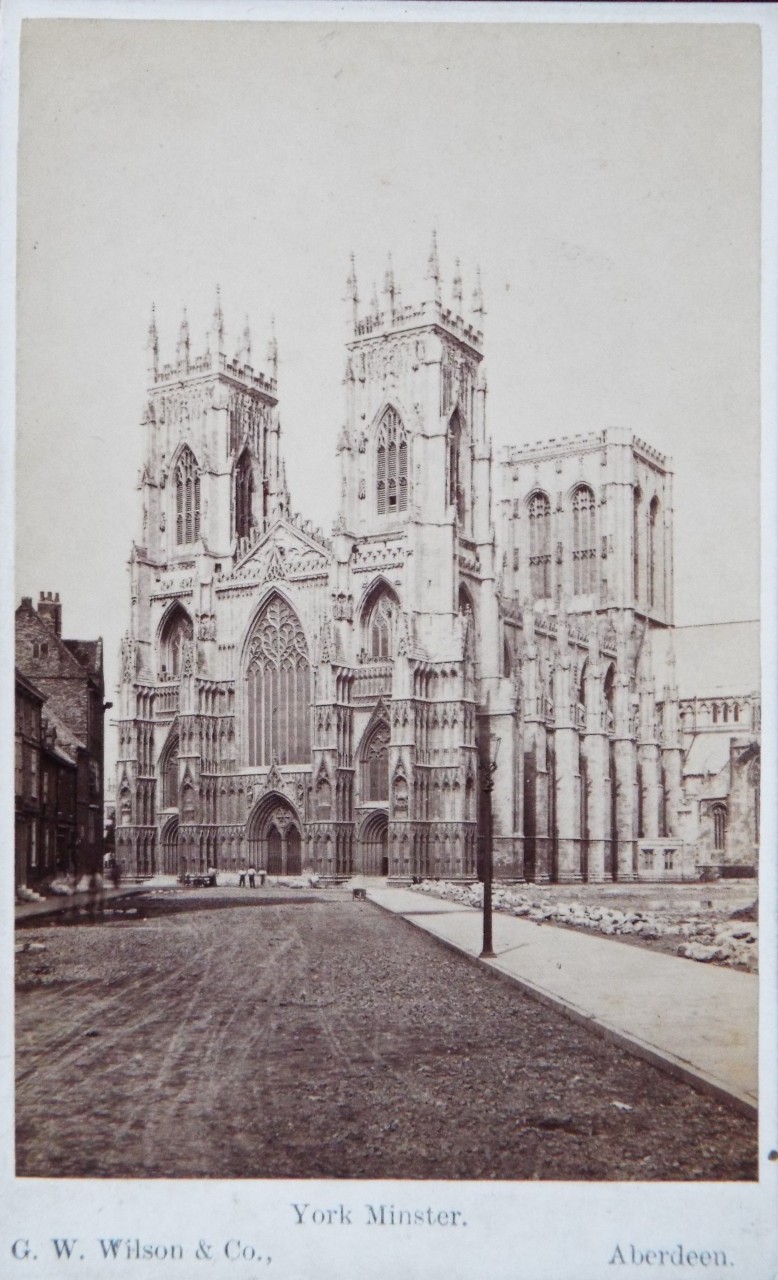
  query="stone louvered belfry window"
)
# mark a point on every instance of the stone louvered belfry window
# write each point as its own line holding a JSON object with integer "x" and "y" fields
{"x": 244, "y": 489}
{"x": 391, "y": 464}
{"x": 375, "y": 765}
{"x": 540, "y": 546}
{"x": 584, "y": 541}
{"x": 187, "y": 499}
{"x": 278, "y": 688}
{"x": 456, "y": 497}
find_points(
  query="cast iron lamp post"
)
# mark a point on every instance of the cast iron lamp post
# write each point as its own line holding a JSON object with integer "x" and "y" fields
{"x": 488, "y": 769}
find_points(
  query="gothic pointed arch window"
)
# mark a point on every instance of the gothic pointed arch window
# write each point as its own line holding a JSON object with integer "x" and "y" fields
{"x": 464, "y": 600}
{"x": 609, "y": 693}
{"x": 456, "y": 496}
{"x": 637, "y": 499}
{"x": 540, "y": 546}
{"x": 719, "y": 827}
{"x": 187, "y": 498}
{"x": 169, "y": 773}
{"x": 244, "y": 492}
{"x": 380, "y": 620}
{"x": 278, "y": 688}
{"x": 391, "y": 464}
{"x": 653, "y": 553}
{"x": 375, "y": 764}
{"x": 584, "y": 541}
{"x": 507, "y": 657}
{"x": 176, "y": 631}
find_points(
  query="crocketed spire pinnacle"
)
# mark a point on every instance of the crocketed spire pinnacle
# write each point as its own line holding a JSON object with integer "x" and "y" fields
{"x": 478, "y": 295}
{"x": 272, "y": 349}
{"x": 433, "y": 267}
{"x": 457, "y": 288}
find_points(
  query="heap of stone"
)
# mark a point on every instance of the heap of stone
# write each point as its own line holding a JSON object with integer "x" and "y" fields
{"x": 733, "y": 942}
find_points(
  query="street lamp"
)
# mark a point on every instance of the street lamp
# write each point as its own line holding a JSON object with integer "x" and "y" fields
{"x": 488, "y": 767}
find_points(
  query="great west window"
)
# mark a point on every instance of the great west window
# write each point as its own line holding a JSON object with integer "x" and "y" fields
{"x": 278, "y": 688}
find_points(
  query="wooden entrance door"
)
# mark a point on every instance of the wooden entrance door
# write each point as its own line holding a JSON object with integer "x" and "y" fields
{"x": 374, "y": 852}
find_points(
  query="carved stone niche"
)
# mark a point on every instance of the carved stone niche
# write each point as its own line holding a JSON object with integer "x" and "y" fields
{"x": 206, "y": 626}
{"x": 400, "y": 794}
{"x": 343, "y": 606}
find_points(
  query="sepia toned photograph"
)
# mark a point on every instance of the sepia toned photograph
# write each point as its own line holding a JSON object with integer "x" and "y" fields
{"x": 387, "y": 613}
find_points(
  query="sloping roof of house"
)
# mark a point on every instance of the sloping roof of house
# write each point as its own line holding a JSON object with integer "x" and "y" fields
{"x": 27, "y": 685}
{"x": 67, "y": 744}
{"x": 88, "y": 652}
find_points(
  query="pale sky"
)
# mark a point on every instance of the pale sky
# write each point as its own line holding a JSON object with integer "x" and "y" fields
{"x": 605, "y": 177}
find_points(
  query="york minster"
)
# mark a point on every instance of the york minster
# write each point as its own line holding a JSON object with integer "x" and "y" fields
{"x": 295, "y": 701}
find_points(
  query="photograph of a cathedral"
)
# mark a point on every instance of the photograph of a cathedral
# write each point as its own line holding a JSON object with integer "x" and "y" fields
{"x": 297, "y": 702}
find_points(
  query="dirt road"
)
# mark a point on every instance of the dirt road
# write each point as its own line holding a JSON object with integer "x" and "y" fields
{"x": 227, "y": 1037}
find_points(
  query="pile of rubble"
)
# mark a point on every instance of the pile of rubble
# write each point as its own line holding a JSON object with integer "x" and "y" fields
{"x": 699, "y": 937}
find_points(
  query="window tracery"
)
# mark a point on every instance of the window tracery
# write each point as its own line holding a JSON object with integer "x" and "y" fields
{"x": 391, "y": 464}
{"x": 178, "y": 630}
{"x": 170, "y": 777}
{"x": 540, "y": 546}
{"x": 187, "y": 499}
{"x": 278, "y": 688}
{"x": 244, "y": 491}
{"x": 584, "y": 542}
{"x": 375, "y": 764}
{"x": 381, "y": 621}
{"x": 456, "y": 497}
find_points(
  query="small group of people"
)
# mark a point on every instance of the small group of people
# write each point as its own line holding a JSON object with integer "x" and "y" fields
{"x": 250, "y": 875}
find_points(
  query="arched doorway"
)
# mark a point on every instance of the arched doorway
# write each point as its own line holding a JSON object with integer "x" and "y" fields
{"x": 275, "y": 837}
{"x": 374, "y": 844}
{"x": 173, "y": 861}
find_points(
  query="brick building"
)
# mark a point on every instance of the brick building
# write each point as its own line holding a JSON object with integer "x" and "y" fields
{"x": 59, "y": 747}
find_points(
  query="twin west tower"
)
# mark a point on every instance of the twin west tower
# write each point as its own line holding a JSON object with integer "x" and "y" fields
{"x": 295, "y": 701}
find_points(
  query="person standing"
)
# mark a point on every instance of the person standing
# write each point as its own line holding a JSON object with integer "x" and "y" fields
{"x": 242, "y": 878}
{"x": 252, "y": 878}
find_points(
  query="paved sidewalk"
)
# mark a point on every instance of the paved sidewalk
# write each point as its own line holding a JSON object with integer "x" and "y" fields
{"x": 56, "y": 904}
{"x": 698, "y": 1021}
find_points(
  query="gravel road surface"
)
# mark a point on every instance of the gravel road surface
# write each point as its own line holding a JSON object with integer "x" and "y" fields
{"x": 233, "y": 1034}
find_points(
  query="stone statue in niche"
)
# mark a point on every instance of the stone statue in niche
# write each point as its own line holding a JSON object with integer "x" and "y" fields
{"x": 187, "y": 658}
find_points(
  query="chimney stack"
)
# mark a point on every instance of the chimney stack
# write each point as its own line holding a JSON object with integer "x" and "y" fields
{"x": 50, "y": 610}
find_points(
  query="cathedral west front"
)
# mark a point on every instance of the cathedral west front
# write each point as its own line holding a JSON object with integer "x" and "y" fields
{"x": 301, "y": 702}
